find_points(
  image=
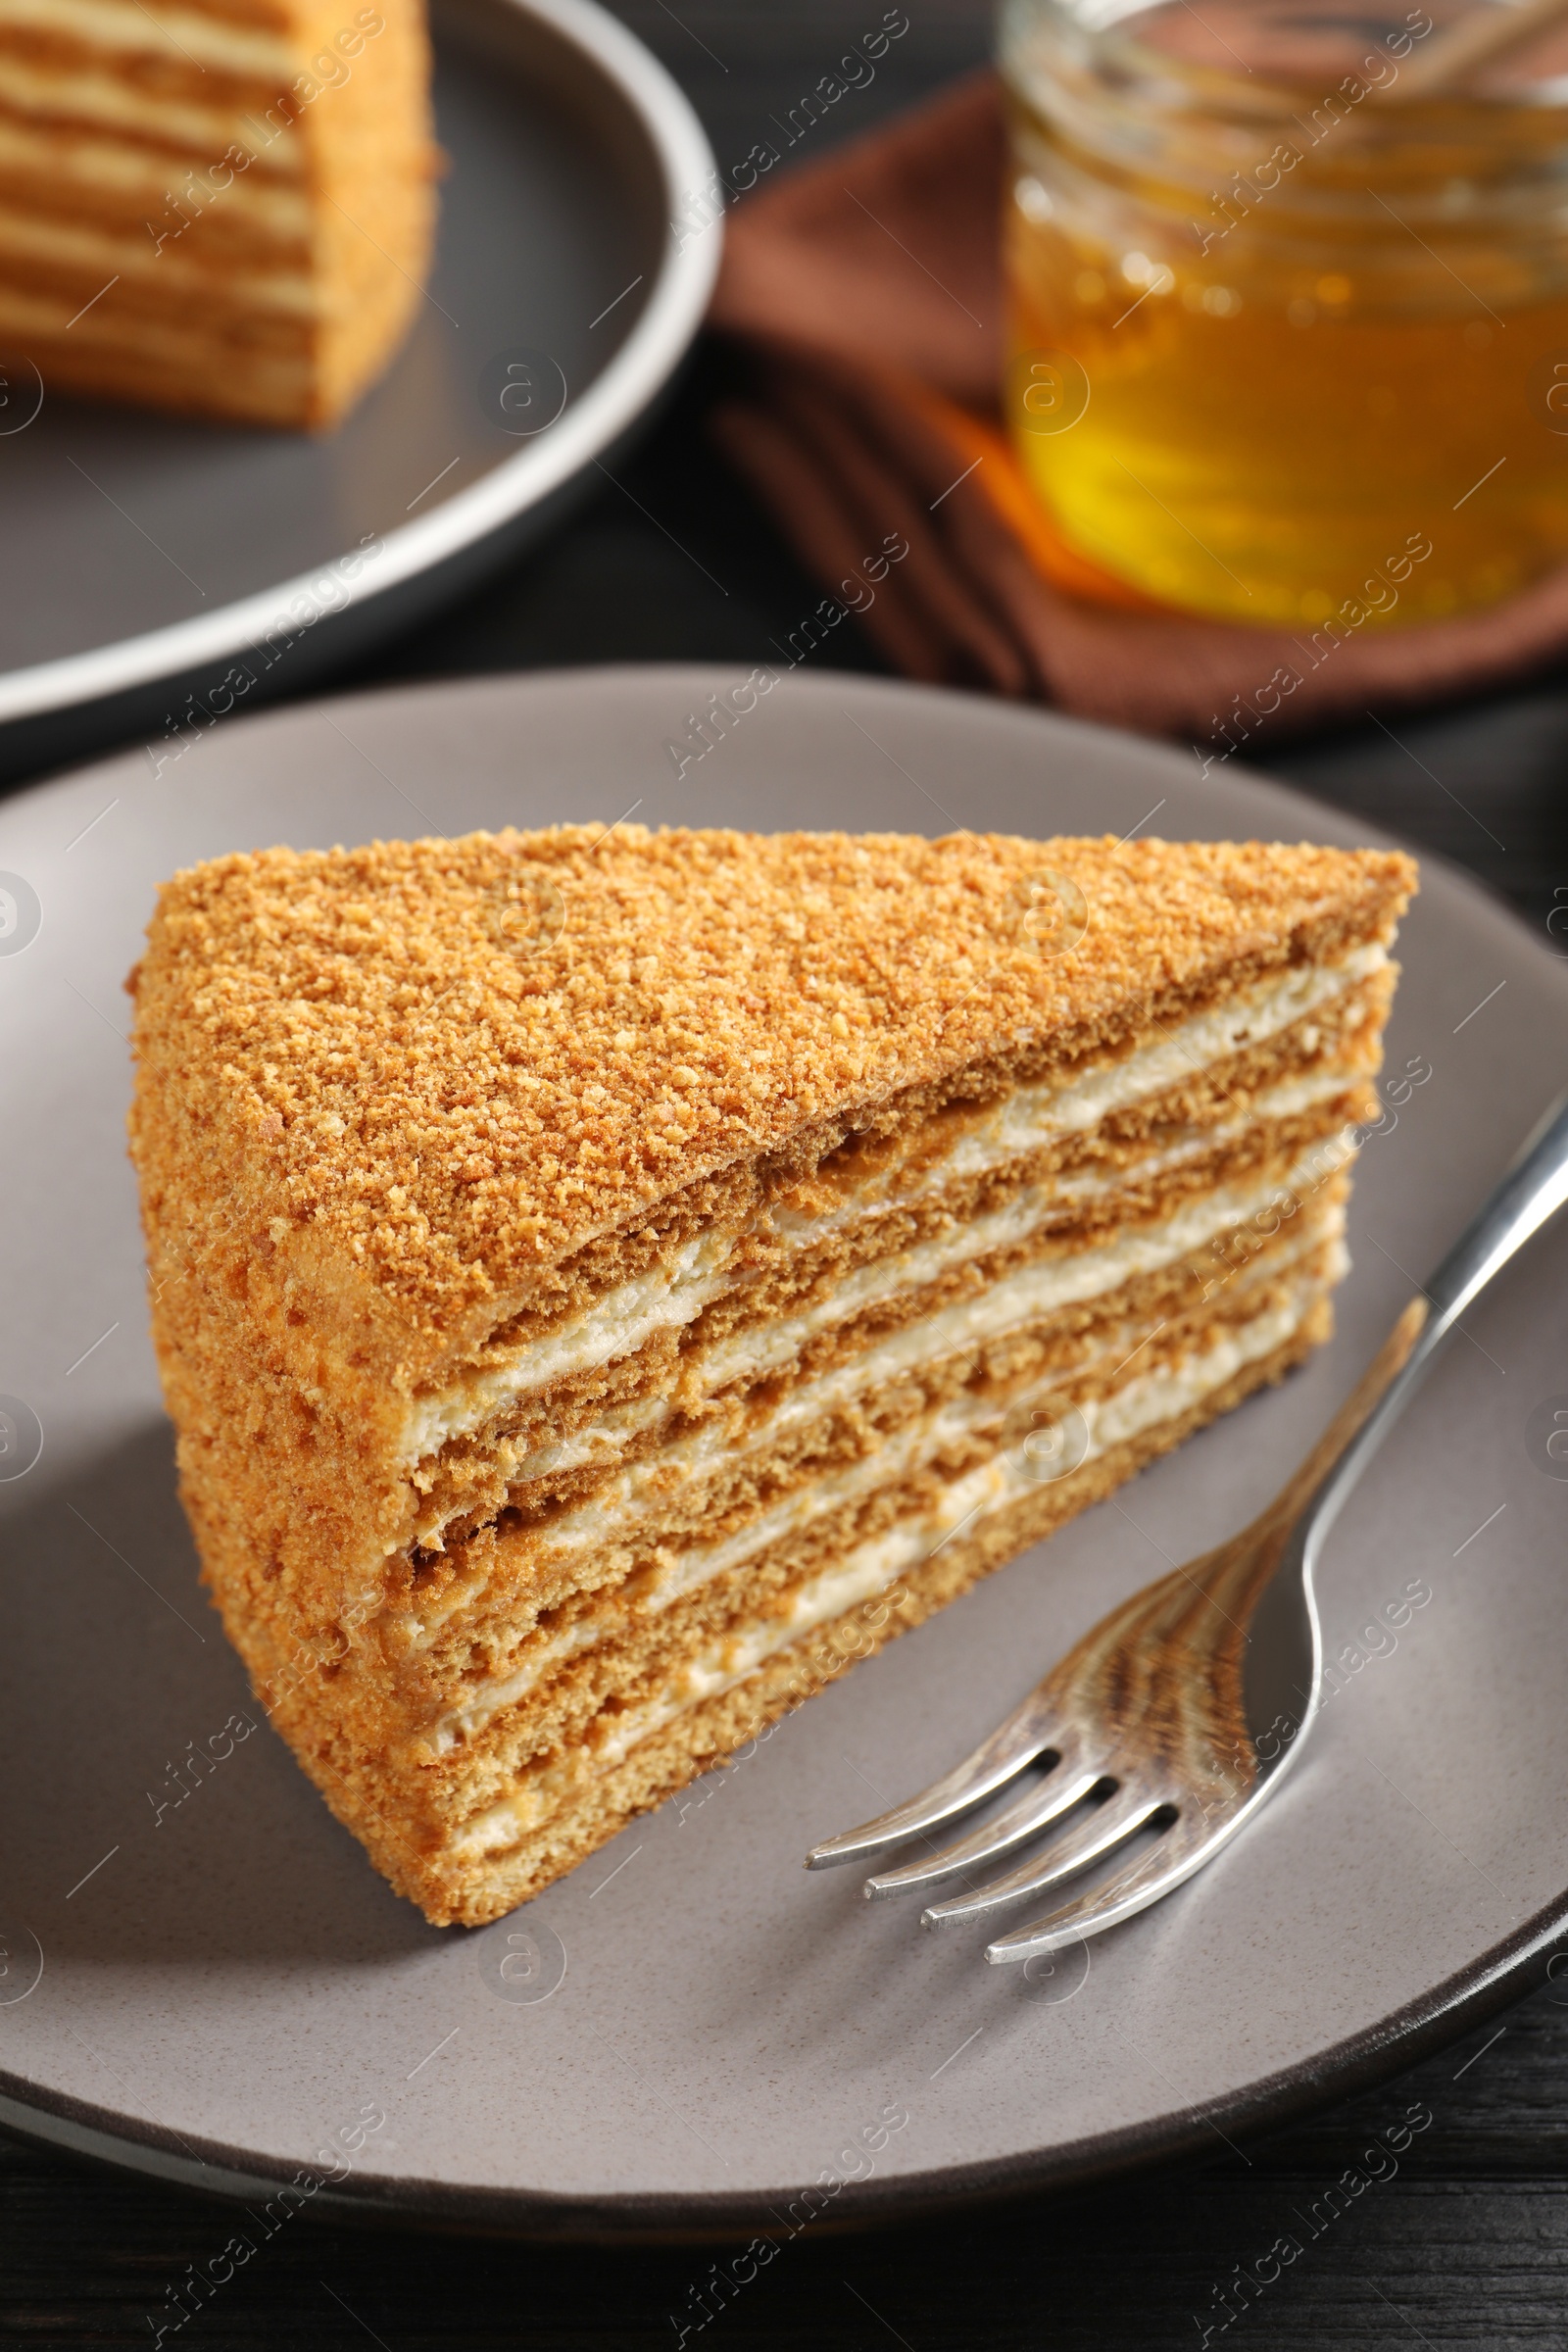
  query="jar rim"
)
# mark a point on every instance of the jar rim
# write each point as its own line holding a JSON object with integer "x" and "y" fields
{"x": 1110, "y": 40}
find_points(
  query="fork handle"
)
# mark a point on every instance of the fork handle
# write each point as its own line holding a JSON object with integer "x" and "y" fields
{"x": 1535, "y": 1188}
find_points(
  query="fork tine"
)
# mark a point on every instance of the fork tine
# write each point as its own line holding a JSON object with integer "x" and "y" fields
{"x": 1145, "y": 1880}
{"x": 1028, "y": 1731}
{"x": 1036, "y": 1811}
{"x": 1117, "y": 1820}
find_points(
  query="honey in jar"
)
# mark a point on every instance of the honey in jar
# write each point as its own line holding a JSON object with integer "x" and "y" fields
{"x": 1284, "y": 336}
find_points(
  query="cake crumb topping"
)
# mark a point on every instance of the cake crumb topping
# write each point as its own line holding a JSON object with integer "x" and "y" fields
{"x": 456, "y": 1062}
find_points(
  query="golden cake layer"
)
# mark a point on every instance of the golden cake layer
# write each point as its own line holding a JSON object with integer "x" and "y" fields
{"x": 220, "y": 206}
{"x": 603, "y": 1282}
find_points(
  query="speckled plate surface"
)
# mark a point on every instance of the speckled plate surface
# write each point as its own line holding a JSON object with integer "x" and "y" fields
{"x": 216, "y": 1986}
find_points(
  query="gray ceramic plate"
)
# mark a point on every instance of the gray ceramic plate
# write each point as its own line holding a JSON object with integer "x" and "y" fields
{"x": 162, "y": 554}
{"x": 216, "y": 1986}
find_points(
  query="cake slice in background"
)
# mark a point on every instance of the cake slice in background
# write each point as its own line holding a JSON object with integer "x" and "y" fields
{"x": 216, "y": 205}
{"x": 605, "y": 1281}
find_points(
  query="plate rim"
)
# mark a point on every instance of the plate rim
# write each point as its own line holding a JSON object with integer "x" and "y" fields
{"x": 665, "y": 329}
{"x": 1429, "y": 2019}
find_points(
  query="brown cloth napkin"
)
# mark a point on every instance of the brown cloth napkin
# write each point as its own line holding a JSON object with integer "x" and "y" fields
{"x": 866, "y": 292}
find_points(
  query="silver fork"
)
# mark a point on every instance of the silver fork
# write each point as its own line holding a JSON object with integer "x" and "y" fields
{"x": 1180, "y": 1713}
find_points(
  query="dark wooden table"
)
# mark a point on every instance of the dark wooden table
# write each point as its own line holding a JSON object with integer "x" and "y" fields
{"x": 1466, "y": 2245}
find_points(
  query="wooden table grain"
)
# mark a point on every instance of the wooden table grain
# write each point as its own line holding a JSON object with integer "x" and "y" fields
{"x": 1432, "y": 2210}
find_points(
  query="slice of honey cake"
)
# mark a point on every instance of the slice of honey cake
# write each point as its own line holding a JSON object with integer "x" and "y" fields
{"x": 605, "y": 1282}
{"x": 222, "y": 206}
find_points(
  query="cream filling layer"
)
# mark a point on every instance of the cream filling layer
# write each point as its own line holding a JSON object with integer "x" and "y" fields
{"x": 148, "y": 341}
{"x": 205, "y": 132}
{"x": 746, "y": 1355}
{"x": 1076, "y": 1434}
{"x": 62, "y": 165}
{"x": 868, "y": 1570}
{"x": 676, "y": 1293}
{"x": 174, "y": 33}
{"x": 1063, "y": 1278}
{"x": 70, "y": 244}
{"x": 608, "y": 1518}
{"x": 1030, "y": 1116}
{"x": 751, "y": 1353}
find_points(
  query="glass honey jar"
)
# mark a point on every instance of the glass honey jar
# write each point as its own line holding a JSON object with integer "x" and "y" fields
{"x": 1289, "y": 324}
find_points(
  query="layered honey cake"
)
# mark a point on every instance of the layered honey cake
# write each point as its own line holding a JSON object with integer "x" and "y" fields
{"x": 607, "y": 1280}
{"x": 218, "y": 206}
